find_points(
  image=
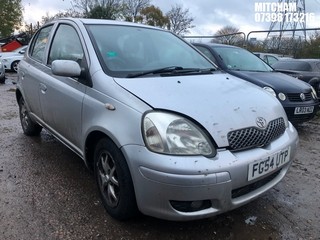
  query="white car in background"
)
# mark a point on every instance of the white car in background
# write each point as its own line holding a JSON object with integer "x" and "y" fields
{"x": 10, "y": 60}
{"x": 269, "y": 58}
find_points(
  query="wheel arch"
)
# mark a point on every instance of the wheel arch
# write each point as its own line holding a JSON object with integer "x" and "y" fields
{"x": 91, "y": 141}
{"x": 18, "y": 94}
{"x": 315, "y": 82}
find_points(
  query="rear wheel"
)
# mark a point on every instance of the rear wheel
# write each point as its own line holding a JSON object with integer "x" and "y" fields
{"x": 114, "y": 181}
{"x": 29, "y": 127}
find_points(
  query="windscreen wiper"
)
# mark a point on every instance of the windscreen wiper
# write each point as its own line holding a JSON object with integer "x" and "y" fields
{"x": 172, "y": 70}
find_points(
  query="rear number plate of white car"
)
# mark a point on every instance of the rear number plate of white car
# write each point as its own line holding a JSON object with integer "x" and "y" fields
{"x": 269, "y": 164}
{"x": 303, "y": 110}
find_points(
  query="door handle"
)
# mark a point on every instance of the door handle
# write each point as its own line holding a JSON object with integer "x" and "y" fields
{"x": 43, "y": 88}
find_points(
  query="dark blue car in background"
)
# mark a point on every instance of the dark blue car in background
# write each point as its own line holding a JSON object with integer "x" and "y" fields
{"x": 298, "y": 98}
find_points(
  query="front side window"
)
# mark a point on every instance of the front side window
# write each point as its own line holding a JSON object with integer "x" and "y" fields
{"x": 39, "y": 44}
{"x": 66, "y": 45}
{"x": 126, "y": 49}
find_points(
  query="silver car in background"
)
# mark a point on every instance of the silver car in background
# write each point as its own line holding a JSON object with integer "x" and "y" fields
{"x": 164, "y": 131}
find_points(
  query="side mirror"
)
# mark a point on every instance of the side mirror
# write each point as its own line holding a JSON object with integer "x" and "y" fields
{"x": 66, "y": 68}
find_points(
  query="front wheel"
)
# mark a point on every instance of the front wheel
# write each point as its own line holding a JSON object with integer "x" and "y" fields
{"x": 114, "y": 181}
{"x": 14, "y": 66}
{"x": 2, "y": 80}
{"x": 29, "y": 127}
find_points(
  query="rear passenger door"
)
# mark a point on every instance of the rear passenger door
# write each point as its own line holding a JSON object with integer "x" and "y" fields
{"x": 61, "y": 97}
{"x": 32, "y": 71}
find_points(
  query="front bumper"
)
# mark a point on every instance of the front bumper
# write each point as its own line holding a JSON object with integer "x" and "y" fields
{"x": 300, "y": 118}
{"x": 188, "y": 188}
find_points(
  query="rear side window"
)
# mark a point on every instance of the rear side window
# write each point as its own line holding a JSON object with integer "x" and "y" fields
{"x": 39, "y": 43}
{"x": 271, "y": 60}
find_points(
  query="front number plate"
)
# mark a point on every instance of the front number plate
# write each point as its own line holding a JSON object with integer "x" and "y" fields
{"x": 269, "y": 164}
{"x": 303, "y": 110}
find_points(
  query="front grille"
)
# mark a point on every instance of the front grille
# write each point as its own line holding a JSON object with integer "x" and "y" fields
{"x": 295, "y": 97}
{"x": 255, "y": 137}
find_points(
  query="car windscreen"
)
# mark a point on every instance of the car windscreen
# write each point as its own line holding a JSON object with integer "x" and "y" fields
{"x": 241, "y": 60}
{"x": 124, "y": 50}
{"x": 292, "y": 65}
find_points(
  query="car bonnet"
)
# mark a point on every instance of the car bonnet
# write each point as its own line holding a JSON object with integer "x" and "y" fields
{"x": 220, "y": 103}
{"x": 280, "y": 82}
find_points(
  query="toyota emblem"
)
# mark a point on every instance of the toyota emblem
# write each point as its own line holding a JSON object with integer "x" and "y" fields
{"x": 261, "y": 122}
{"x": 302, "y": 96}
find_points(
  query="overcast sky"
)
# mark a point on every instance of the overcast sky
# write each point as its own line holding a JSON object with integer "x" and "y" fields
{"x": 209, "y": 15}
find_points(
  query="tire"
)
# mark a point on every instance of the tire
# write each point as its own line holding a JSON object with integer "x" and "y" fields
{"x": 14, "y": 66}
{"x": 2, "y": 80}
{"x": 114, "y": 181}
{"x": 29, "y": 127}
{"x": 315, "y": 83}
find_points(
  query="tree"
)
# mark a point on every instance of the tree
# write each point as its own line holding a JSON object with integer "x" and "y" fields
{"x": 11, "y": 15}
{"x": 312, "y": 47}
{"x": 106, "y": 9}
{"x": 103, "y": 12}
{"x": 83, "y": 6}
{"x": 179, "y": 20}
{"x": 133, "y": 8}
{"x": 153, "y": 16}
{"x": 67, "y": 13}
{"x": 229, "y": 35}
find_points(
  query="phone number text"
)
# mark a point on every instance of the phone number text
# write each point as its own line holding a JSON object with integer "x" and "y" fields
{"x": 287, "y": 17}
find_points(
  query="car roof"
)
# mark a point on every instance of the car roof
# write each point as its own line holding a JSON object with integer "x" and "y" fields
{"x": 215, "y": 45}
{"x": 85, "y": 21}
{"x": 268, "y": 54}
{"x": 300, "y": 59}
{"x": 310, "y": 60}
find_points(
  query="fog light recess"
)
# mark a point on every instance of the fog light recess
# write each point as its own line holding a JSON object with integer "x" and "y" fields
{"x": 190, "y": 206}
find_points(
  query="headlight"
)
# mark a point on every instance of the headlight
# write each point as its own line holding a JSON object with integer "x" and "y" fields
{"x": 282, "y": 96}
{"x": 314, "y": 93}
{"x": 172, "y": 134}
{"x": 270, "y": 90}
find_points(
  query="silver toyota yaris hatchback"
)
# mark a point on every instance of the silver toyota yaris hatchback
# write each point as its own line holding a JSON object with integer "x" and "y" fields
{"x": 164, "y": 131}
